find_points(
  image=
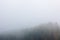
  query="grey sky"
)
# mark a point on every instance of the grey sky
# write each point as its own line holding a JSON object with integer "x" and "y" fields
{"x": 16, "y": 14}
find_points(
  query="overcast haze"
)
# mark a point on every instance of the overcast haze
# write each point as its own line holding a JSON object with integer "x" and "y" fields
{"x": 17, "y": 14}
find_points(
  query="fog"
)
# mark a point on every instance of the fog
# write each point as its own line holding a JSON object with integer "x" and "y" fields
{"x": 21, "y": 14}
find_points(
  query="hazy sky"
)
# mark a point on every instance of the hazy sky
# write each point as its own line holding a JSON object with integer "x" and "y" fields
{"x": 16, "y": 14}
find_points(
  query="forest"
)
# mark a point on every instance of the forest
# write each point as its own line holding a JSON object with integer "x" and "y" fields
{"x": 49, "y": 31}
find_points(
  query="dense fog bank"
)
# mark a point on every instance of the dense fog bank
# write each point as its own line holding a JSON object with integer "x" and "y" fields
{"x": 48, "y": 31}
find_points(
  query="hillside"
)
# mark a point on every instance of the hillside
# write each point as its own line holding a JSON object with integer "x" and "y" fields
{"x": 49, "y": 31}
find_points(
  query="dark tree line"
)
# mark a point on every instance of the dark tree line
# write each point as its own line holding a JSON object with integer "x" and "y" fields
{"x": 40, "y": 33}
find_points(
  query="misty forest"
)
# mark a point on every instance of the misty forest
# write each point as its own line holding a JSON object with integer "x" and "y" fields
{"x": 49, "y": 31}
{"x": 29, "y": 19}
